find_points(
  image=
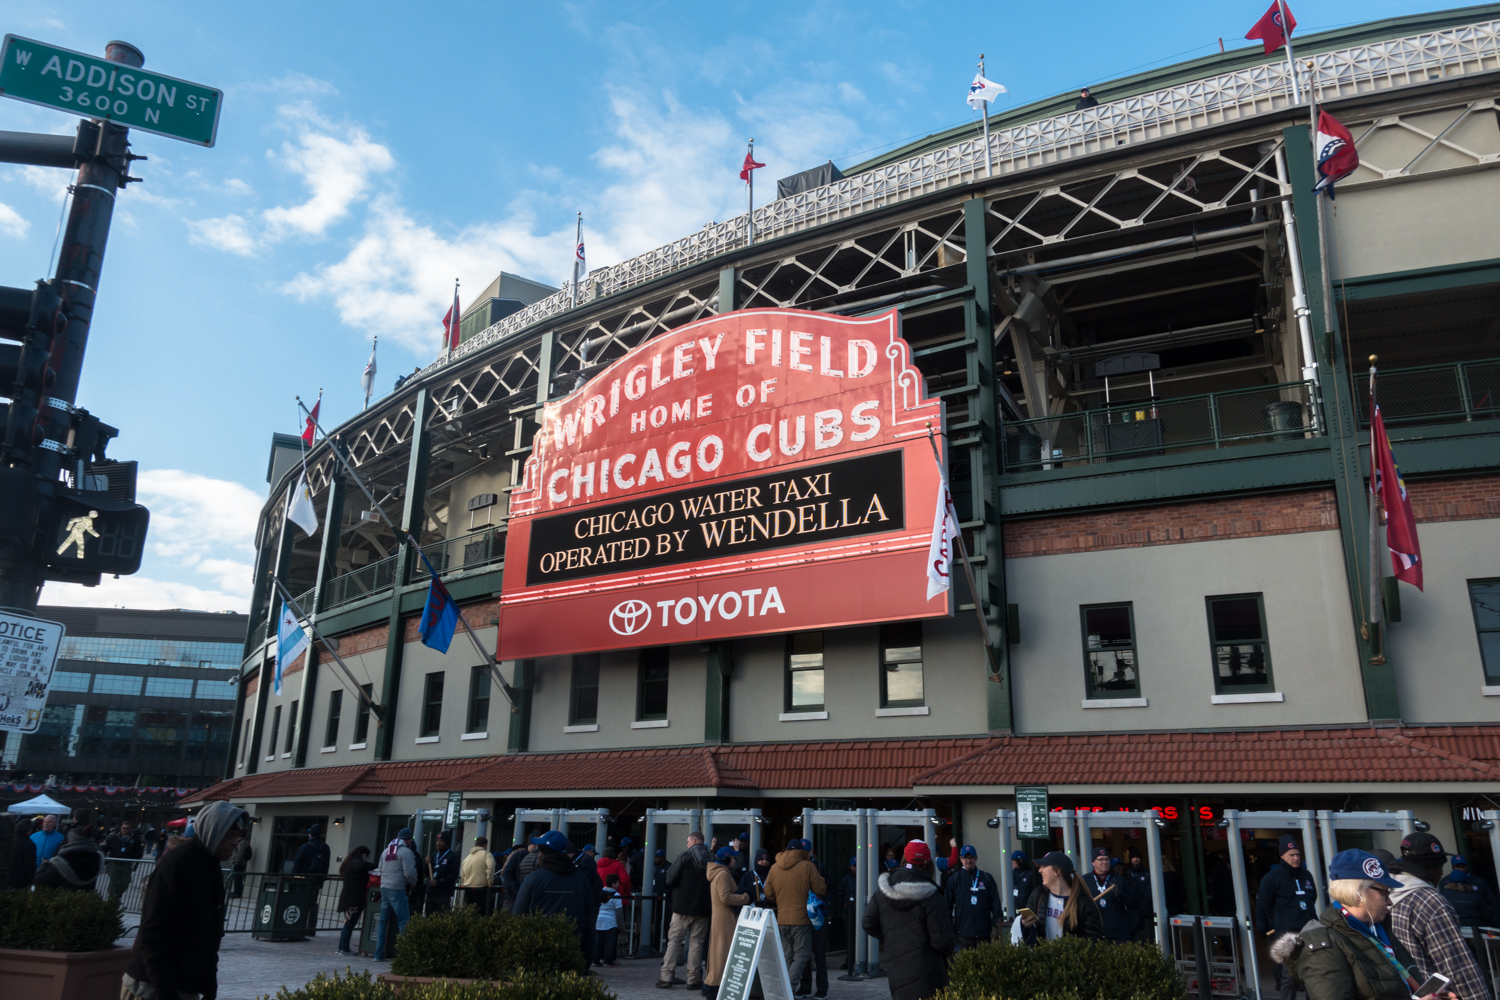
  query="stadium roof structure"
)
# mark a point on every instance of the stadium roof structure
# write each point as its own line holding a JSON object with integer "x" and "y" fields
{"x": 1194, "y": 69}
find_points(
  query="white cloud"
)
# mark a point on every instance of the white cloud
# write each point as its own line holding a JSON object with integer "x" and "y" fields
{"x": 335, "y": 163}
{"x": 199, "y": 548}
{"x": 235, "y": 186}
{"x": 230, "y": 233}
{"x": 49, "y": 181}
{"x": 12, "y": 224}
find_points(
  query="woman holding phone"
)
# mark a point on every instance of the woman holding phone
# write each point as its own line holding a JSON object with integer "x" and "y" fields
{"x": 1060, "y": 905}
{"x": 1346, "y": 953}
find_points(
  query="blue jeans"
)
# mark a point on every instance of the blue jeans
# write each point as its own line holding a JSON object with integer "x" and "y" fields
{"x": 348, "y": 930}
{"x": 392, "y": 904}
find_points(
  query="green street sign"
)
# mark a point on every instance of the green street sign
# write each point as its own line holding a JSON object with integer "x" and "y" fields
{"x": 86, "y": 85}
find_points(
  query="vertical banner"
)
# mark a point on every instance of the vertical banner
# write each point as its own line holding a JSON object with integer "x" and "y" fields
{"x": 761, "y": 471}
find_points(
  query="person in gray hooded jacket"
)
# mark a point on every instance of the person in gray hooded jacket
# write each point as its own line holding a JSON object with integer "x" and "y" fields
{"x": 176, "y": 955}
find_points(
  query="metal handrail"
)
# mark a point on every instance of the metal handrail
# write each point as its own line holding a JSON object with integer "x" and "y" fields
{"x": 1236, "y": 95}
{"x": 1148, "y": 427}
{"x": 1447, "y": 393}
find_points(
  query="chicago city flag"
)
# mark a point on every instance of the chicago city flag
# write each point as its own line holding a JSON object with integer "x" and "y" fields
{"x": 1400, "y": 522}
{"x": 291, "y": 640}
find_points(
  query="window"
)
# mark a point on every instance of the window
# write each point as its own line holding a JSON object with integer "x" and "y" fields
{"x": 107, "y": 731}
{"x": 651, "y": 684}
{"x": 335, "y": 706}
{"x": 211, "y": 730}
{"x": 160, "y": 735}
{"x": 291, "y": 728}
{"x": 169, "y": 687}
{"x": 151, "y": 651}
{"x": 59, "y": 731}
{"x": 245, "y": 742}
{"x": 583, "y": 704}
{"x": 216, "y": 690}
{"x": 362, "y": 720}
{"x": 1109, "y": 651}
{"x": 275, "y": 731}
{"x": 1484, "y": 595}
{"x": 116, "y": 684}
{"x": 804, "y": 672}
{"x": 432, "y": 704}
{"x": 1242, "y": 656}
{"x": 65, "y": 680}
{"x": 479, "y": 701}
{"x": 901, "y": 665}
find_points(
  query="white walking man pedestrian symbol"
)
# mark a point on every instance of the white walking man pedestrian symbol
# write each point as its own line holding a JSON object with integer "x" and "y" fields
{"x": 77, "y": 528}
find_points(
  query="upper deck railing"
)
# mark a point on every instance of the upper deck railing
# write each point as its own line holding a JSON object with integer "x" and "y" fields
{"x": 1228, "y": 97}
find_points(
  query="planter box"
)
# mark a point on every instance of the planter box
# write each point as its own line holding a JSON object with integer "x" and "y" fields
{"x": 63, "y": 975}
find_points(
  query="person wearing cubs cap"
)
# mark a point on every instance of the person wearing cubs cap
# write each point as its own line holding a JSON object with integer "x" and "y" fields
{"x": 558, "y": 885}
{"x": 973, "y": 897}
{"x": 1424, "y": 922}
{"x": 1060, "y": 905}
{"x": 1114, "y": 896}
{"x": 909, "y": 917}
{"x": 1346, "y": 953}
{"x": 1287, "y": 900}
{"x": 788, "y": 883}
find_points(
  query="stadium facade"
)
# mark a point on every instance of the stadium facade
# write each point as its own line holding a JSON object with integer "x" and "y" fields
{"x": 1155, "y": 421}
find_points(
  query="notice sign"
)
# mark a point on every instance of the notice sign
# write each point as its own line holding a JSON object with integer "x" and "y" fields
{"x": 761, "y": 471}
{"x": 755, "y": 947}
{"x": 1032, "y": 814}
{"x": 28, "y": 652}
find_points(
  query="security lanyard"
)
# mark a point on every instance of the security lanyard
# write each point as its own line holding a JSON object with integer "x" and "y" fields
{"x": 1385, "y": 949}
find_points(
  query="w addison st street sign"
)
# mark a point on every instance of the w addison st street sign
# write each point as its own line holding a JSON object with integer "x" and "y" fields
{"x": 762, "y": 471}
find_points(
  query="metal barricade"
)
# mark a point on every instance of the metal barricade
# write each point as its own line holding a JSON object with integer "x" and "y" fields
{"x": 124, "y": 879}
{"x": 1206, "y": 950}
{"x": 1489, "y": 944}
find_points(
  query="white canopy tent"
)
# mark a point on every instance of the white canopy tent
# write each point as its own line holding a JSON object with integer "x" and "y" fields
{"x": 41, "y": 804}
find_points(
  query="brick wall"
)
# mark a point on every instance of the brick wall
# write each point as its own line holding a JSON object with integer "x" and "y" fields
{"x": 1455, "y": 499}
{"x": 362, "y": 641}
{"x": 479, "y": 614}
{"x": 1173, "y": 524}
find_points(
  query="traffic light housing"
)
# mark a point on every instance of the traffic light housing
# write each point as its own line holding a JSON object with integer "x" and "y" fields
{"x": 25, "y": 371}
{"x": 93, "y": 533}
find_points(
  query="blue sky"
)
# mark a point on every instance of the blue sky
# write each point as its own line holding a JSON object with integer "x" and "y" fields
{"x": 370, "y": 153}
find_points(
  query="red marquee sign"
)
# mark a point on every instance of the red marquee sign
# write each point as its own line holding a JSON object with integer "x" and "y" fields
{"x": 762, "y": 471}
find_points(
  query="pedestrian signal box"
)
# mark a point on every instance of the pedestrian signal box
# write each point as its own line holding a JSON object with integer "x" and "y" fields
{"x": 93, "y": 533}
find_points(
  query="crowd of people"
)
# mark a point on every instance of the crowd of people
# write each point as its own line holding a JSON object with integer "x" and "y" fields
{"x": 40, "y": 850}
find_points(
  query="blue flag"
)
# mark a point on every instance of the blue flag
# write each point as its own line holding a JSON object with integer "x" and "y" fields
{"x": 291, "y": 641}
{"x": 440, "y": 616}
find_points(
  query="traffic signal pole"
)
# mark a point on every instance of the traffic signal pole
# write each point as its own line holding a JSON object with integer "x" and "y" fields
{"x": 46, "y": 443}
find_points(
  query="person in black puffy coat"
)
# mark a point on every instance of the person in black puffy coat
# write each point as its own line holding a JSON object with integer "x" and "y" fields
{"x": 909, "y": 917}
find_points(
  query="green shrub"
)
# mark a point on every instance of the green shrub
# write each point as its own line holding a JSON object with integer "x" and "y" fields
{"x": 58, "y": 920}
{"x": 466, "y": 945}
{"x": 524, "y": 986}
{"x": 1069, "y": 969}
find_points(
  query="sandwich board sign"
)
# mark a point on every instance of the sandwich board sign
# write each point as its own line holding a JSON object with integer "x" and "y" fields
{"x": 28, "y": 652}
{"x": 755, "y": 948}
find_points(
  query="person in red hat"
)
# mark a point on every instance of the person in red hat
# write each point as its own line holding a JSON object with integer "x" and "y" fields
{"x": 909, "y": 917}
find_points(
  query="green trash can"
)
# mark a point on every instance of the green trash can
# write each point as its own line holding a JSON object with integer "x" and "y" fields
{"x": 282, "y": 911}
{"x": 370, "y": 922}
{"x": 1283, "y": 420}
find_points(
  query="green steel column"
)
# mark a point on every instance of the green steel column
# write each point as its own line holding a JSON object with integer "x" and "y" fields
{"x": 262, "y": 694}
{"x": 279, "y": 570}
{"x": 328, "y": 551}
{"x": 412, "y": 513}
{"x": 263, "y": 556}
{"x": 519, "y": 739}
{"x": 1340, "y": 410}
{"x": 989, "y": 543}
{"x": 729, "y": 299}
{"x": 716, "y": 701}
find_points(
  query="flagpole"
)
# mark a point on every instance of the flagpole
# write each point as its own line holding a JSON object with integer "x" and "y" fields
{"x": 577, "y": 239}
{"x": 452, "y": 330}
{"x": 489, "y": 660}
{"x": 1375, "y": 571}
{"x": 750, "y": 198}
{"x": 1291, "y": 65}
{"x": 373, "y": 345}
{"x": 1312, "y": 100}
{"x": 303, "y": 617}
{"x": 989, "y": 169}
{"x": 963, "y": 550}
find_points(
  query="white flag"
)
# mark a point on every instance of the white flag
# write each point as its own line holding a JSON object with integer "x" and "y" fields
{"x": 940, "y": 551}
{"x": 982, "y": 91}
{"x": 299, "y": 508}
{"x": 369, "y": 376}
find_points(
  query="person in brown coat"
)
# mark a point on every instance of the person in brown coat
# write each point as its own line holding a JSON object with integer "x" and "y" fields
{"x": 721, "y": 888}
{"x": 788, "y": 883}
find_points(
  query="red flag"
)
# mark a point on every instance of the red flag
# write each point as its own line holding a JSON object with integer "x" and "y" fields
{"x": 1334, "y": 147}
{"x": 1269, "y": 28}
{"x": 748, "y": 166}
{"x": 451, "y": 320}
{"x": 1400, "y": 522}
{"x": 312, "y": 423}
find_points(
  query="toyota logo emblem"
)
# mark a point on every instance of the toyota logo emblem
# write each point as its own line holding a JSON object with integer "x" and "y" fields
{"x": 630, "y": 617}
